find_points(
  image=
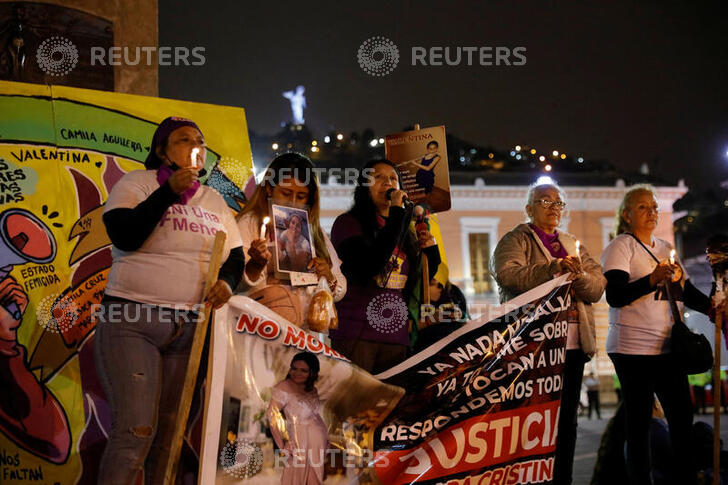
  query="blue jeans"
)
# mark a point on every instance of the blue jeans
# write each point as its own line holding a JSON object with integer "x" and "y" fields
{"x": 141, "y": 357}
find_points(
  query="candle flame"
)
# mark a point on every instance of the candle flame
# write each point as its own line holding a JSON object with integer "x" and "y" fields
{"x": 263, "y": 226}
{"x": 193, "y": 156}
{"x": 672, "y": 256}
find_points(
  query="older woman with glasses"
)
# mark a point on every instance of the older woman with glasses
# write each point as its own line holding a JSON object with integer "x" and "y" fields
{"x": 533, "y": 253}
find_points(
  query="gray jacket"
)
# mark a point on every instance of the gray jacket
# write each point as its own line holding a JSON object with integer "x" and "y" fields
{"x": 521, "y": 262}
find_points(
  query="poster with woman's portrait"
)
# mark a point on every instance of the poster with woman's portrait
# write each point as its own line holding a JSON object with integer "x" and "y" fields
{"x": 421, "y": 157}
{"x": 294, "y": 246}
{"x": 286, "y": 409}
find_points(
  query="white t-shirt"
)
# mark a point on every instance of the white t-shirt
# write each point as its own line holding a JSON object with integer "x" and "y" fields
{"x": 169, "y": 269}
{"x": 644, "y": 326}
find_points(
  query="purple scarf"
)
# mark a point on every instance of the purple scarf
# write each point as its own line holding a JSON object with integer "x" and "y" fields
{"x": 163, "y": 174}
{"x": 551, "y": 241}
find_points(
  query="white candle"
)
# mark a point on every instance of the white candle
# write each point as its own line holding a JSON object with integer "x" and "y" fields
{"x": 672, "y": 256}
{"x": 266, "y": 220}
{"x": 578, "y": 245}
{"x": 193, "y": 156}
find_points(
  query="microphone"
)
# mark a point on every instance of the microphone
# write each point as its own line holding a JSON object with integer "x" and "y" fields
{"x": 407, "y": 203}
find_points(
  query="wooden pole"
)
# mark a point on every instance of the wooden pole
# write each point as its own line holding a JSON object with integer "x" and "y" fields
{"x": 716, "y": 396}
{"x": 193, "y": 365}
{"x": 425, "y": 266}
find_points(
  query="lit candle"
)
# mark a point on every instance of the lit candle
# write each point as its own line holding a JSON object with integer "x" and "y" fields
{"x": 578, "y": 245}
{"x": 193, "y": 156}
{"x": 672, "y": 256}
{"x": 266, "y": 220}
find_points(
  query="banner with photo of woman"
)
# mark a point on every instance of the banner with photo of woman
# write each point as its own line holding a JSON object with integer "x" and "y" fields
{"x": 480, "y": 406}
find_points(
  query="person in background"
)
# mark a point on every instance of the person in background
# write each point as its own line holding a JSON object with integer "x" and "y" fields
{"x": 638, "y": 338}
{"x": 532, "y": 254}
{"x": 592, "y": 393}
{"x": 617, "y": 387}
{"x": 697, "y": 384}
{"x": 155, "y": 287}
{"x": 447, "y": 311}
{"x": 289, "y": 180}
{"x": 381, "y": 258}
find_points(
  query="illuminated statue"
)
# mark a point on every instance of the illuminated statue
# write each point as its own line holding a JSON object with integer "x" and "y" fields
{"x": 298, "y": 102}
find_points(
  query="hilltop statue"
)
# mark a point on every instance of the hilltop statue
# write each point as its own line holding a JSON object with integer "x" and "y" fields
{"x": 298, "y": 102}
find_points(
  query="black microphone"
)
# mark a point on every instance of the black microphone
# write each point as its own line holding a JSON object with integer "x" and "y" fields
{"x": 407, "y": 203}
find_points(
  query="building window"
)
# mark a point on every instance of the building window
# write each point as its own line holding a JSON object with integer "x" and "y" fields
{"x": 479, "y": 262}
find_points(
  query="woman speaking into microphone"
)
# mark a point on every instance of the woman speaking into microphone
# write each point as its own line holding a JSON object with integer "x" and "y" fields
{"x": 381, "y": 259}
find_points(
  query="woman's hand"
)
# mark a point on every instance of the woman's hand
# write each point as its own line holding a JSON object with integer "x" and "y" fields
{"x": 182, "y": 179}
{"x": 571, "y": 264}
{"x": 11, "y": 292}
{"x": 662, "y": 272}
{"x": 259, "y": 253}
{"x": 397, "y": 198}
{"x": 424, "y": 236}
{"x": 322, "y": 269}
{"x": 219, "y": 294}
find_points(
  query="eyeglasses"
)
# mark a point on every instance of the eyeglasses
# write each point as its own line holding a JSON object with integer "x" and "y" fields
{"x": 556, "y": 204}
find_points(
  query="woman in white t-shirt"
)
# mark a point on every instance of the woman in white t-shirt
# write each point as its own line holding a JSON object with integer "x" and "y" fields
{"x": 638, "y": 339}
{"x": 290, "y": 180}
{"x": 162, "y": 224}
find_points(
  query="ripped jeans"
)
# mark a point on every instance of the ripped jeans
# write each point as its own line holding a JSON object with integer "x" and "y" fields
{"x": 141, "y": 359}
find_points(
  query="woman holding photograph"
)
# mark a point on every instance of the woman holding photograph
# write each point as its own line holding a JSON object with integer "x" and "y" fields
{"x": 293, "y": 246}
{"x": 289, "y": 180}
{"x": 295, "y": 422}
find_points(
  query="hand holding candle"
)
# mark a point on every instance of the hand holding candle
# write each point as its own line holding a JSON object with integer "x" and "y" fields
{"x": 263, "y": 226}
{"x": 578, "y": 257}
{"x": 676, "y": 269}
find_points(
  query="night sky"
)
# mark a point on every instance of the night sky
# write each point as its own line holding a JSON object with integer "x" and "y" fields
{"x": 627, "y": 82}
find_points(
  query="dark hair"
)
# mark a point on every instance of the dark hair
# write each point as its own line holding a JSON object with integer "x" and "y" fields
{"x": 366, "y": 212}
{"x": 433, "y": 142}
{"x": 300, "y": 167}
{"x": 313, "y": 368}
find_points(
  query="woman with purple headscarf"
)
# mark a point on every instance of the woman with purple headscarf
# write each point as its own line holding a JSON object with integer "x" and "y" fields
{"x": 162, "y": 224}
